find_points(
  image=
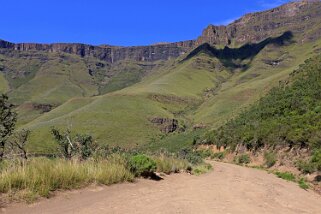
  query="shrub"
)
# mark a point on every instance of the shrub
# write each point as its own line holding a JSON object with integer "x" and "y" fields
{"x": 142, "y": 165}
{"x": 82, "y": 146}
{"x": 316, "y": 159}
{"x": 201, "y": 169}
{"x": 191, "y": 156}
{"x": 18, "y": 142}
{"x": 170, "y": 165}
{"x": 205, "y": 153}
{"x": 306, "y": 166}
{"x": 64, "y": 141}
{"x": 303, "y": 184}
{"x": 85, "y": 146}
{"x": 270, "y": 159}
{"x": 314, "y": 164}
{"x": 242, "y": 159}
{"x": 218, "y": 155}
{"x": 285, "y": 175}
{"x": 8, "y": 120}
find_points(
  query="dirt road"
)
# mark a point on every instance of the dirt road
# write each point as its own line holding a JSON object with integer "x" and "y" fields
{"x": 227, "y": 189}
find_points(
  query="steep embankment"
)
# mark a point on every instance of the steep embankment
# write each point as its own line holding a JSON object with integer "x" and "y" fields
{"x": 284, "y": 125}
{"x": 228, "y": 189}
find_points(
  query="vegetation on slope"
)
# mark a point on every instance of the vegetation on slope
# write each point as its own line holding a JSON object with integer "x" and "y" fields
{"x": 38, "y": 82}
{"x": 79, "y": 162}
{"x": 207, "y": 88}
{"x": 105, "y": 117}
{"x": 289, "y": 115}
{"x": 243, "y": 88}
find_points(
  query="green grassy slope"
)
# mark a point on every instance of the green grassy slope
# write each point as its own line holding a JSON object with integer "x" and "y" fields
{"x": 55, "y": 81}
{"x": 187, "y": 79}
{"x": 289, "y": 115}
{"x": 4, "y": 86}
{"x": 113, "y": 120}
{"x": 245, "y": 87}
{"x": 36, "y": 78}
{"x": 123, "y": 118}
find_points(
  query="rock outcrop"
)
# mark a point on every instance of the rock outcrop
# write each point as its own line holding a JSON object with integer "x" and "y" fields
{"x": 108, "y": 53}
{"x": 166, "y": 125}
{"x": 300, "y": 17}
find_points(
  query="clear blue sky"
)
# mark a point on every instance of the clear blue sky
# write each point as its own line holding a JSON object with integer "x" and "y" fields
{"x": 118, "y": 22}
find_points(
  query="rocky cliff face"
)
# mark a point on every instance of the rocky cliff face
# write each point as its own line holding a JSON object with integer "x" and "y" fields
{"x": 165, "y": 125}
{"x": 109, "y": 53}
{"x": 301, "y": 18}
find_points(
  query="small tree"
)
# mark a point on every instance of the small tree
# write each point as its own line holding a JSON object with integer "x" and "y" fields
{"x": 19, "y": 142}
{"x": 85, "y": 146}
{"x": 8, "y": 119}
{"x": 82, "y": 146}
{"x": 64, "y": 141}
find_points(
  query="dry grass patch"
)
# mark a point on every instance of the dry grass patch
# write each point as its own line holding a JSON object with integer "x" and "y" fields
{"x": 39, "y": 177}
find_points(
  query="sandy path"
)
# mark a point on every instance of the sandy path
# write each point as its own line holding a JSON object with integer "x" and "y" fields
{"x": 227, "y": 189}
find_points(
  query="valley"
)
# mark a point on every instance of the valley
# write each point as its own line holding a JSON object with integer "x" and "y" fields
{"x": 211, "y": 123}
{"x": 64, "y": 85}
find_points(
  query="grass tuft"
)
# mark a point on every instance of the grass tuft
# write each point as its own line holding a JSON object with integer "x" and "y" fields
{"x": 303, "y": 184}
{"x": 285, "y": 175}
{"x": 202, "y": 169}
{"x": 171, "y": 165}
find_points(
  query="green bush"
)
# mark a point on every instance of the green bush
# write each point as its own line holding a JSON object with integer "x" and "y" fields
{"x": 142, "y": 165}
{"x": 313, "y": 165}
{"x": 285, "y": 175}
{"x": 85, "y": 146}
{"x": 242, "y": 159}
{"x": 303, "y": 184}
{"x": 270, "y": 159}
{"x": 205, "y": 153}
{"x": 201, "y": 169}
{"x": 218, "y": 155}
{"x": 306, "y": 166}
{"x": 193, "y": 157}
{"x": 316, "y": 159}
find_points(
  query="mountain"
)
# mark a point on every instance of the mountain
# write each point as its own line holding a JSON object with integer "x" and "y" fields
{"x": 302, "y": 18}
{"x": 133, "y": 96}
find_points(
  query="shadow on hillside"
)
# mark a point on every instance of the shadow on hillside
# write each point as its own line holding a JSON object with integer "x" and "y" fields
{"x": 228, "y": 56}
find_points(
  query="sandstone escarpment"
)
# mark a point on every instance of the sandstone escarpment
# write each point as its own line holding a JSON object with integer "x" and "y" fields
{"x": 108, "y": 53}
{"x": 301, "y": 18}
